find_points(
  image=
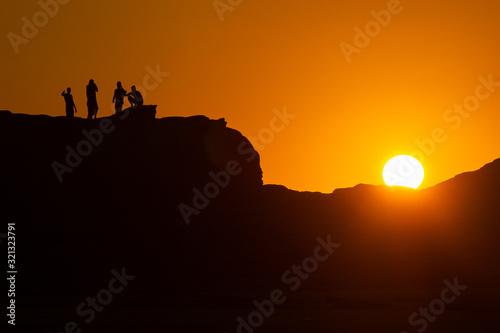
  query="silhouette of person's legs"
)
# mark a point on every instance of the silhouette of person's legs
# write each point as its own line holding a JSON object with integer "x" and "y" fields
{"x": 133, "y": 102}
{"x": 91, "y": 112}
{"x": 70, "y": 113}
{"x": 118, "y": 108}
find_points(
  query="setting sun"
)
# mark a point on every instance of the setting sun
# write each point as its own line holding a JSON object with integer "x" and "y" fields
{"x": 403, "y": 170}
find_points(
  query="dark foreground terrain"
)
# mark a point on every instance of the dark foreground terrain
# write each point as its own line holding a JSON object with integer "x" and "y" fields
{"x": 137, "y": 224}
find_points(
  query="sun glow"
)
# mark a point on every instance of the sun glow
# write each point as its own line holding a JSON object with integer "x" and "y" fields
{"x": 403, "y": 170}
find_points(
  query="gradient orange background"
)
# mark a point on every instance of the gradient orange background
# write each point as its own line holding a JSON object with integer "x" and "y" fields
{"x": 265, "y": 55}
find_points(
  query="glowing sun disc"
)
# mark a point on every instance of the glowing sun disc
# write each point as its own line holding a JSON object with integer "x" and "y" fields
{"x": 403, "y": 170}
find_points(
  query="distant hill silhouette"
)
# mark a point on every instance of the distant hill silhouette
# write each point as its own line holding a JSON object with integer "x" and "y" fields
{"x": 120, "y": 207}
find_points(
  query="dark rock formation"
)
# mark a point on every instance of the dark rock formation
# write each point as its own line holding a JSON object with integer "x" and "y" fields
{"x": 91, "y": 196}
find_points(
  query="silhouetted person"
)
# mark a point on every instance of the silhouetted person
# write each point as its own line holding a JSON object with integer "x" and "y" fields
{"x": 119, "y": 96}
{"x": 70, "y": 104}
{"x": 135, "y": 98}
{"x": 92, "y": 99}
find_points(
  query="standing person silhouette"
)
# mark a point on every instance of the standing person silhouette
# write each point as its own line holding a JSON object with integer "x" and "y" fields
{"x": 118, "y": 97}
{"x": 135, "y": 98}
{"x": 70, "y": 104}
{"x": 92, "y": 100}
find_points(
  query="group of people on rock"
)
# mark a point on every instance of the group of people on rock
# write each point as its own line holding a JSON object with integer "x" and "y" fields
{"x": 134, "y": 97}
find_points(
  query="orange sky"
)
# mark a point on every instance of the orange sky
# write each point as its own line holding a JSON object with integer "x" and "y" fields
{"x": 270, "y": 56}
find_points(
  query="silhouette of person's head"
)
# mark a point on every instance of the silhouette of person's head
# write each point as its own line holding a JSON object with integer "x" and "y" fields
{"x": 133, "y": 88}
{"x": 119, "y": 84}
{"x": 69, "y": 90}
{"x": 91, "y": 81}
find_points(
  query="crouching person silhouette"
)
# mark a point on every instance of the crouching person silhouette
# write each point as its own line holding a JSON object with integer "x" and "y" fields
{"x": 70, "y": 104}
{"x": 135, "y": 98}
